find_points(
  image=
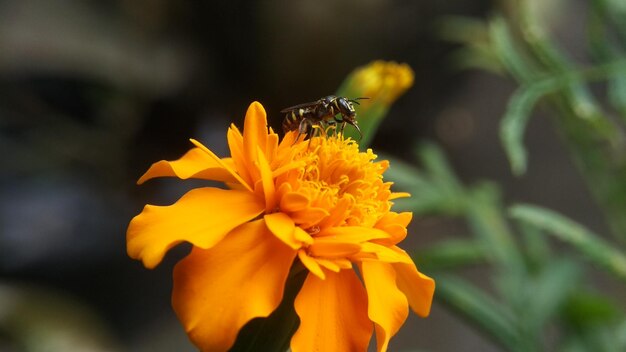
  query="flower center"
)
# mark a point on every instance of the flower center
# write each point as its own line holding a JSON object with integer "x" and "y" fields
{"x": 343, "y": 181}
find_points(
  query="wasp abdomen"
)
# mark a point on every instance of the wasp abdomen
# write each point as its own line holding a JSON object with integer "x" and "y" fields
{"x": 292, "y": 120}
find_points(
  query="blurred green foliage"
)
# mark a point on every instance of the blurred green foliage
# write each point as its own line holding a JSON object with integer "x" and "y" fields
{"x": 541, "y": 299}
{"x": 36, "y": 319}
{"x": 534, "y": 286}
{"x": 516, "y": 41}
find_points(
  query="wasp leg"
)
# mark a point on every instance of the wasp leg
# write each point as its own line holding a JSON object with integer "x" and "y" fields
{"x": 313, "y": 130}
{"x": 327, "y": 125}
{"x": 358, "y": 130}
{"x": 303, "y": 129}
{"x": 330, "y": 129}
{"x": 336, "y": 121}
{"x": 343, "y": 125}
{"x": 322, "y": 129}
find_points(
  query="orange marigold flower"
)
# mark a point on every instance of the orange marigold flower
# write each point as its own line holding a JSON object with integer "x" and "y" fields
{"x": 320, "y": 202}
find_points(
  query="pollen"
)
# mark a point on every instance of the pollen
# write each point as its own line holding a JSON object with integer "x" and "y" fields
{"x": 339, "y": 179}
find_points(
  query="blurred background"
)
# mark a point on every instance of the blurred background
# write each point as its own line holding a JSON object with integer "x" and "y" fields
{"x": 93, "y": 92}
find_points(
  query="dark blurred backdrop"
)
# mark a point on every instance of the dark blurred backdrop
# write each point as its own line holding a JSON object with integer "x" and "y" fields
{"x": 92, "y": 92}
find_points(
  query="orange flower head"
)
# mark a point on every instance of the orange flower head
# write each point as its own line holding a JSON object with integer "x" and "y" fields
{"x": 319, "y": 202}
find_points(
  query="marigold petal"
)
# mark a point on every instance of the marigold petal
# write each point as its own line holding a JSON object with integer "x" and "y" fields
{"x": 294, "y": 201}
{"x": 418, "y": 288}
{"x": 235, "y": 144}
{"x": 386, "y": 254}
{"x": 355, "y": 234}
{"x": 203, "y": 216}
{"x": 333, "y": 249}
{"x": 194, "y": 164}
{"x": 232, "y": 171}
{"x": 283, "y": 228}
{"x": 311, "y": 264}
{"x": 395, "y": 225}
{"x": 289, "y": 139}
{"x": 328, "y": 264}
{"x": 402, "y": 219}
{"x": 302, "y": 236}
{"x": 309, "y": 217}
{"x": 217, "y": 291}
{"x": 353, "y": 187}
{"x": 396, "y": 195}
{"x": 398, "y": 232}
{"x": 271, "y": 147}
{"x": 387, "y": 305}
{"x": 269, "y": 189}
{"x": 337, "y": 214}
{"x": 382, "y": 164}
{"x": 254, "y": 134}
{"x": 287, "y": 167}
{"x": 343, "y": 263}
{"x": 333, "y": 314}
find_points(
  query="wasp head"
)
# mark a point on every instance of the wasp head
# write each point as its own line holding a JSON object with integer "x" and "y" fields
{"x": 348, "y": 112}
{"x": 346, "y": 108}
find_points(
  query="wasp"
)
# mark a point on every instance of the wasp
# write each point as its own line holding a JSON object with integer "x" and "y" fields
{"x": 306, "y": 117}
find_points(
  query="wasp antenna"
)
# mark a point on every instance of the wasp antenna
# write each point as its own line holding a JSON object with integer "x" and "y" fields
{"x": 355, "y": 100}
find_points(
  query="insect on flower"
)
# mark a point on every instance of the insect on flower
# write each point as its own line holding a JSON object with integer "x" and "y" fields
{"x": 324, "y": 211}
{"x": 304, "y": 118}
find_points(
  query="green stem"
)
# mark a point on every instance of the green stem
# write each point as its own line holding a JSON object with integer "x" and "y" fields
{"x": 273, "y": 334}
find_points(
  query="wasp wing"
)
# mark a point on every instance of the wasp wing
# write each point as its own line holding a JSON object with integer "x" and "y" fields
{"x": 300, "y": 106}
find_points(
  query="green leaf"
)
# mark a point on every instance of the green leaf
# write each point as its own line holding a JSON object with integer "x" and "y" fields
{"x": 549, "y": 292}
{"x": 429, "y": 197}
{"x": 477, "y": 56}
{"x": 536, "y": 248}
{"x": 596, "y": 339}
{"x": 603, "y": 49}
{"x": 462, "y": 29}
{"x": 513, "y": 124}
{"x": 617, "y": 92}
{"x": 509, "y": 53}
{"x": 595, "y": 326}
{"x": 477, "y": 51}
{"x": 485, "y": 218}
{"x": 404, "y": 175}
{"x": 450, "y": 254}
{"x": 620, "y": 332}
{"x": 591, "y": 245}
{"x": 616, "y": 15}
{"x": 585, "y": 309}
{"x": 575, "y": 91}
{"x": 481, "y": 310}
{"x": 435, "y": 187}
{"x": 438, "y": 168}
